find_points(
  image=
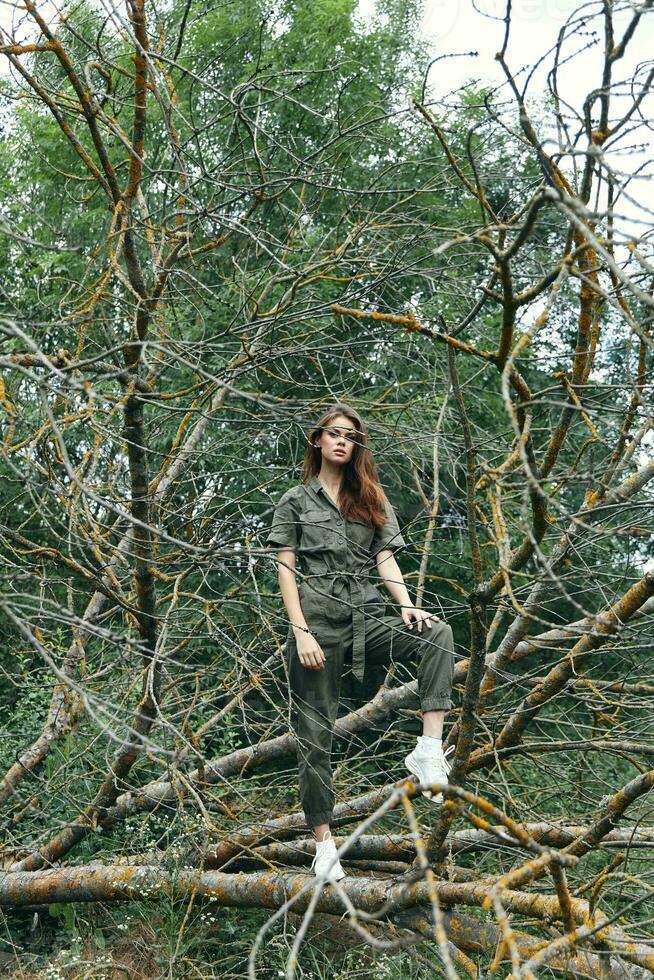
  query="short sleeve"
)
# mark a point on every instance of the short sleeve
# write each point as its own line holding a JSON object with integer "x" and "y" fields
{"x": 389, "y": 536}
{"x": 284, "y": 530}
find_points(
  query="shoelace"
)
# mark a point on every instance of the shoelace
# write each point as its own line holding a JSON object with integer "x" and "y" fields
{"x": 445, "y": 754}
{"x": 442, "y": 762}
{"x": 448, "y": 767}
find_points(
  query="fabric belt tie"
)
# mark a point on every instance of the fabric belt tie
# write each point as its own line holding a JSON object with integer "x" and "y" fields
{"x": 347, "y": 587}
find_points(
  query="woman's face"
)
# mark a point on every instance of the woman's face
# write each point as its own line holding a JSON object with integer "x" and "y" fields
{"x": 337, "y": 440}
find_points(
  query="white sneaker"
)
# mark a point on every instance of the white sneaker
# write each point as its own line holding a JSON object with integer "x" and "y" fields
{"x": 429, "y": 766}
{"x": 326, "y": 856}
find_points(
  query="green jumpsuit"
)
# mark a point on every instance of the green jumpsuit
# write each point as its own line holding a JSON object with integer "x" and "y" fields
{"x": 348, "y": 616}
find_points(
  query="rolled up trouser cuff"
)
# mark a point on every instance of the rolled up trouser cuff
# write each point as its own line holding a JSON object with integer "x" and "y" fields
{"x": 436, "y": 704}
{"x": 436, "y": 669}
{"x": 319, "y": 817}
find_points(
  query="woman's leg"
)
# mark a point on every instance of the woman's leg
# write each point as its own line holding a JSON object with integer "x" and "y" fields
{"x": 321, "y": 831}
{"x": 432, "y": 723}
{"x": 314, "y": 699}
{"x": 389, "y": 638}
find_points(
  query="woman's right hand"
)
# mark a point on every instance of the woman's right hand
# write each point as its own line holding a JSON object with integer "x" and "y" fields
{"x": 310, "y": 652}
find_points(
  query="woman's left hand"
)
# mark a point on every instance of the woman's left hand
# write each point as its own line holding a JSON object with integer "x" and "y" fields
{"x": 410, "y": 615}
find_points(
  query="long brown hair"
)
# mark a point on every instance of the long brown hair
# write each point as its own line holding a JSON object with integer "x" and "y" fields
{"x": 361, "y": 497}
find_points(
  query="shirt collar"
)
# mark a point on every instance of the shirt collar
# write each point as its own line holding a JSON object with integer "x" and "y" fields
{"x": 317, "y": 487}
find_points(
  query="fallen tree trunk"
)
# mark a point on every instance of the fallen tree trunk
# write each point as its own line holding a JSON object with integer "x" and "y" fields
{"x": 397, "y": 847}
{"x": 475, "y": 936}
{"x": 272, "y": 890}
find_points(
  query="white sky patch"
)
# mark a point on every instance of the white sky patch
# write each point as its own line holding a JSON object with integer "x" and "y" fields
{"x": 456, "y": 28}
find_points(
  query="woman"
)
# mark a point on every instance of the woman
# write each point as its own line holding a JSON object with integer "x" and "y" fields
{"x": 340, "y": 525}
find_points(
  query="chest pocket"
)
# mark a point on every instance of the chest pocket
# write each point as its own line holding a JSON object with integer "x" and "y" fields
{"x": 317, "y": 532}
{"x": 360, "y": 534}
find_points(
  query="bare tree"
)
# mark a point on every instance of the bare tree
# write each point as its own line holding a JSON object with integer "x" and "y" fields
{"x": 214, "y": 243}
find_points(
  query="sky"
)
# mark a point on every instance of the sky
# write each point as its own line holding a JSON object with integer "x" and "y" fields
{"x": 461, "y": 26}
